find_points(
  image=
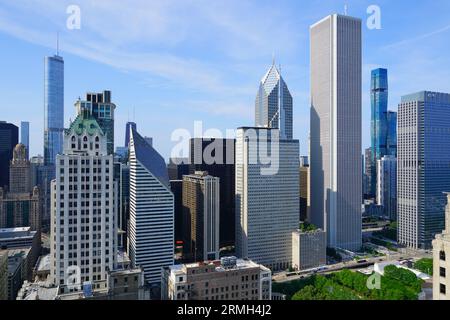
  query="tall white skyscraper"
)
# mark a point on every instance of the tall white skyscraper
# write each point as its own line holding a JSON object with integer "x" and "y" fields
{"x": 273, "y": 106}
{"x": 336, "y": 181}
{"x": 151, "y": 229}
{"x": 267, "y": 196}
{"x": 84, "y": 212}
{"x": 387, "y": 186}
{"x": 423, "y": 166}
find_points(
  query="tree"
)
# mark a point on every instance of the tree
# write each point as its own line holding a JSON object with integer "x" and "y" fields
{"x": 425, "y": 265}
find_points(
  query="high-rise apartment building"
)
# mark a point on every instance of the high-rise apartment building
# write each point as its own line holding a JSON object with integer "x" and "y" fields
{"x": 216, "y": 156}
{"x": 99, "y": 106}
{"x": 267, "y": 196}
{"x": 273, "y": 106}
{"x": 441, "y": 260}
{"x": 335, "y": 160}
{"x": 423, "y": 166}
{"x": 84, "y": 209}
{"x": 387, "y": 186}
{"x": 25, "y": 137}
{"x": 201, "y": 198}
{"x": 151, "y": 228}
{"x": 53, "y": 108}
{"x": 9, "y": 137}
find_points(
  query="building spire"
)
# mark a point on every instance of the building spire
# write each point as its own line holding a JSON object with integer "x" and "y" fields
{"x": 346, "y": 9}
{"x": 57, "y": 43}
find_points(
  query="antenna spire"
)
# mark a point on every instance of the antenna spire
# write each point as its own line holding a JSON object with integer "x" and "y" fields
{"x": 273, "y": 58}
{"x": 346, "y": 9}
{"x": 57, "y": 43}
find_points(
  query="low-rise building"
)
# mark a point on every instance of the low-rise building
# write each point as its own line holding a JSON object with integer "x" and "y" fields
{"x": 226, "y": 279}
{"x": 22, "y": 239}
{"x": 441, "y": 260}
{"x": 18, "y": 270}
{"x": 309, "y": 249}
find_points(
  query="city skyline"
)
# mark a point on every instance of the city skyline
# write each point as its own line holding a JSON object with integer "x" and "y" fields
{"x": 223, "y": 99}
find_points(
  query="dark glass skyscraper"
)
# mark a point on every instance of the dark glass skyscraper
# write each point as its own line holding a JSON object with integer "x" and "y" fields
{"x": 53, "y": 108}
{"x": 9, "y": 137}
{"x": 383, "y": 124}
{"x": 225, "y": 170}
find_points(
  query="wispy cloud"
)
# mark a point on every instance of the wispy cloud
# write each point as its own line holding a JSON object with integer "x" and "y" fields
{"x": 418, "y": 38}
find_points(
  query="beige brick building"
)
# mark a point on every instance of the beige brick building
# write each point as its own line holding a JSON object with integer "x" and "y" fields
{"x": 227, "y": 279}
{"x": 441, "y": 260}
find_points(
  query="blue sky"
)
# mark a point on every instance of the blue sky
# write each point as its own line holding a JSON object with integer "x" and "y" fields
{"x": 177, "y": 61}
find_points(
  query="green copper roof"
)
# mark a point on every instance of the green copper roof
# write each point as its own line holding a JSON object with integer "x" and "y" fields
{"x": 85, "y": 123}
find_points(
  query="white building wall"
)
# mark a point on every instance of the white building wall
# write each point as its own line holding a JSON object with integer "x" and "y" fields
{"x": 267, "y": 206}
{"x": 336, "y": 172}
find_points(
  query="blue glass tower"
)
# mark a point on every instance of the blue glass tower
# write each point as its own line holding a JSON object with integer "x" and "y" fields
{"x": 53, "y": 108}
{"x": 383, "y": 124}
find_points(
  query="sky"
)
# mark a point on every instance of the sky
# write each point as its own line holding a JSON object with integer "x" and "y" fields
{"x": 170, "y": 63}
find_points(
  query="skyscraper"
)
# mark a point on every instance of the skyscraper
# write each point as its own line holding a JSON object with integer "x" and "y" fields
{"x": 25, "y": 136}
{"x": 21, "y": 206}
{"x": 383, "y": 123}
{"x": 267, "y": 196}
{"x": 391, "y": 144}
{"x": 387, "y": 186}
{"x": 53, "y": 108}
{"x": 20, "y": 171}
{"x": 151, "y": 229}
{"x": 423, "y": 166}
{"x": 336, "y": 67}
{"x": 220, "y": 165}
{"x": 99, "y": 105}
{"x": 9, "y": 136}
{"x": 128, "y": 127}
{"x": 84, "y": 209}
{"x": 201, "y": 213}
{"x": 273, "y": 106}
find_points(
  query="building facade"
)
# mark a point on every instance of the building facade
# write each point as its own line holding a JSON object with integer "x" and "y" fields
{"x": 216, "y": 156}
{"x": 309, "y": 249}
{"x": 423, "y": 174}
{"x": 99, "y": 106}
{"x": 336, "y": 72}
{"x": 201, "y": 212}
{"x": 387, "y": 186}
{"x": 3, "y": 275}
{"x": 53, "y": 108}
{"x": 304, "y": 193}
{"x": 225, "y": 279}
{"x": 441, "y": 260}
{"x": 273, "y": 105}
{"x": 383, "y": 123}
{"x": 84, "y": 209}
{"x": 9, "y": 138}
{"x": 151, "y": 228}
{"x": 21, "y": 206}
{"x": 267, "y": 192}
